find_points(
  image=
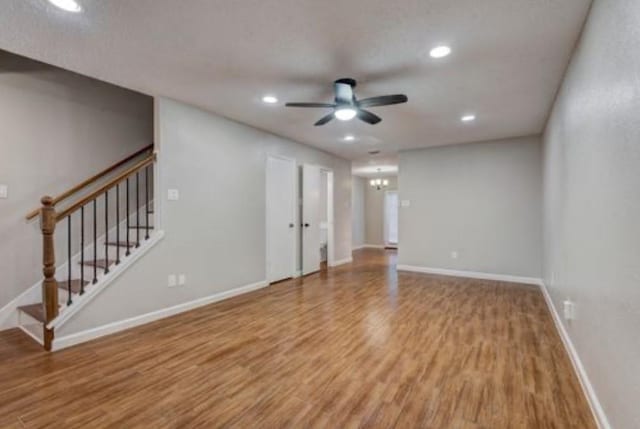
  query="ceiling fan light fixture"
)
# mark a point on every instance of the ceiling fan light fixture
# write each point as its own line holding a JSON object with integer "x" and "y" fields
{"x": 345, "y": 113}
{"x": 440, "y": 51}
{"x": 270, "y": 99}
{"x": 67, "y": 5}
{"x": 468, "y": 118}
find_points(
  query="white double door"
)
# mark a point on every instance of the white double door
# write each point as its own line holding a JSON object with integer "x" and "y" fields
{"x": 282, "y": 224}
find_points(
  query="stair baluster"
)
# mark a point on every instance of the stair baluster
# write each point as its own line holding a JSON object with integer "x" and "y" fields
{"x": 106, "y": 232}
{"x": 128, "y": 252}
{"x": 118, "y": 224}
{"x": 146, "y": 194}
{"x": 69, "y": 301}
{"x": 137, "y": 209}
{"x": 81, "y": 250}
{"x": 95, "y": 240}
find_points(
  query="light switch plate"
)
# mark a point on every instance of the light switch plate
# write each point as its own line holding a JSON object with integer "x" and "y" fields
{"x": 173, "y": 195}
{"x": 405, "y": 203}
{"x": 4, "y": 191}
{"x": 182, "y": 279}
{"x": 172, "y": 280}
{"x": 569, "y": 310}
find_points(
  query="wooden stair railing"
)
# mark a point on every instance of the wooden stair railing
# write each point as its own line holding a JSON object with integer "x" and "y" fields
{"x": 80, "y": 186}
{"x": 49, "y": 217}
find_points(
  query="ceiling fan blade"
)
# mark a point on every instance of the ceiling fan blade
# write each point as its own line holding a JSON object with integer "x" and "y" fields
{"x": 325, "y": 105}
{"x": 324, "y": 119}
{"x": 383, "y": 100}
{"x": 368, "y": 117}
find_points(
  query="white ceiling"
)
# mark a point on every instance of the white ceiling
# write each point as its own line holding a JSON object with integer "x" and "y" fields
{"x": 507, "y": 62}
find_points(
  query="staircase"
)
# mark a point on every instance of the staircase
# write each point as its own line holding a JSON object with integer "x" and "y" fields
{"x": 105, "y": 222}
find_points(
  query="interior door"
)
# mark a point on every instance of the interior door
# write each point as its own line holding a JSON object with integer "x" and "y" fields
{"x": 281, "y": 214}
{"x": 310, "y": 218}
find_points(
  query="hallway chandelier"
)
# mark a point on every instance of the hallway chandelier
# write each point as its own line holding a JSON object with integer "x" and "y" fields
{"x": 379, "y": 183}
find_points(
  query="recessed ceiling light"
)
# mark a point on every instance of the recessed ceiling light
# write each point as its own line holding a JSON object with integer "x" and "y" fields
{"x": 468, "y": 118}
{"x": 68, "y": 5}
{"x": 345, "y": 113}
{"x": 349, "y": 138}
{"x": 440, "y": 51}
{"x": 270, "y": 99}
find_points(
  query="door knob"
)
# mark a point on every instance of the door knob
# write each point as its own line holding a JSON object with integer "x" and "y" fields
{"x": 306, "y": 225}
{"x": 291, "y": 225}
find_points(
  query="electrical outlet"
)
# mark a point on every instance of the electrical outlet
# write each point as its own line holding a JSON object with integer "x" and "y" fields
{"x": 182, "y": 279}
{"x": 173, "y": 195}
{"x": 454, "y": 254}
{"x": 172, "y": 280}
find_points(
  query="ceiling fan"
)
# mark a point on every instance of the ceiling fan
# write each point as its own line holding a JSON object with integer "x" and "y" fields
{"x": 347, "y": 107}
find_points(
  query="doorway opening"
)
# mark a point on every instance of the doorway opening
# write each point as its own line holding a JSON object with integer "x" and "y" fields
{"x": 391, "y": 204}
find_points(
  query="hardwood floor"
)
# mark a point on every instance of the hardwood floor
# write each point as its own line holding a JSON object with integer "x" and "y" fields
{"x": 356, "y": 346}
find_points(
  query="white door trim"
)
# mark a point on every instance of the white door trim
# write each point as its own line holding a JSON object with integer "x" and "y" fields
{"x": 331, "y": 260}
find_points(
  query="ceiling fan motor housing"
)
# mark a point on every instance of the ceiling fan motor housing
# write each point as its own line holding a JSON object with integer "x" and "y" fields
{"x": 343, "y": 89}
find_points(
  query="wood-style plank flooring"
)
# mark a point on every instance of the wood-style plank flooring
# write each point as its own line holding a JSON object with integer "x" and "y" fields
{"x": 357, "y": 346}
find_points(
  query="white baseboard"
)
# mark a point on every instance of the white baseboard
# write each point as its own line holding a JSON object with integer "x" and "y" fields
{"x": 90, "y": 334}
{"x": 358, "y": 247}
{"x": 342, "y": 262}
{"x": 585, "y": 383}
{"x": 372, "y": 246}
{"x": 471, "y": 274}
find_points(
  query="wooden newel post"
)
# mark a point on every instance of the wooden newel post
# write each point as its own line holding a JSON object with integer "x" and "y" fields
{"x": 49, "y": 284}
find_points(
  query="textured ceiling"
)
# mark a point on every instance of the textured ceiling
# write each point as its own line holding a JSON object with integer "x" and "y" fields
{"x": 507, "y": 62}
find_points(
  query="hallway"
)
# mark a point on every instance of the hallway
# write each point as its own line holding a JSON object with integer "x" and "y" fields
{"x": 358, "y": 345}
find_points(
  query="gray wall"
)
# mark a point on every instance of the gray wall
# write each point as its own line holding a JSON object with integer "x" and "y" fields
{"x": 592, "y": 205}
{"x": 374, "y": 211}
{"x": 215, "y": 233}
{"x": 56, "y": 129}
{"x": 482, "y": 200}
{"x": 357, "y": 211}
